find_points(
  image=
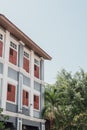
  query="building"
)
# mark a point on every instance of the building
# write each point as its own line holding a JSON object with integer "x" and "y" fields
{"x": 21, "y": 78}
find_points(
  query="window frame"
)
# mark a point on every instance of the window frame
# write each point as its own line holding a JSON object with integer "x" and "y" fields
{"x": 13, "y": 82}
{"x": 13, "y": 42}
{"x": 37, "y": 65}
{"x": 26, "y": 51}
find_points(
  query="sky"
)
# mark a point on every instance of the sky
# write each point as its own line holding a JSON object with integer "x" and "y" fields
{"x": 58, "y": 26}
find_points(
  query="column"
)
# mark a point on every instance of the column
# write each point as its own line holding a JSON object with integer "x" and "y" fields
{"x": 32, "y": 83}
{"x": 42, "y": 85}
{"x": 42, "y": 69}
{"x": 42, "y": 126}
{"x": 19, "y": 124}
{"x": 5, "y": 69}
{"x": 20, "y": 76}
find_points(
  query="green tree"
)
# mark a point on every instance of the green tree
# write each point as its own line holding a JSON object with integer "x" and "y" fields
{"x": 50, "y": 104}
{"x": 3, "y": 119}
{"x": 66, "y": 101}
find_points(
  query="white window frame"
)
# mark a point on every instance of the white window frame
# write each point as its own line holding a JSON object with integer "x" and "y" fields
{"x": 16, "y": 43}
{"x": 28, "y": 52}
{"x": 12, "y": 44}
{"x": 38, "y": 59}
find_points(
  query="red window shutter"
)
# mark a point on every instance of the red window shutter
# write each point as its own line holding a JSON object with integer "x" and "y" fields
{"x": 13, "y": 56}
{"x": 25, "y": 98}
{"x": 36, "y": 71}
{"x": 36, "y": 102}
{"x": 37, "y": 74}
{"x": 1, "y": 48}
{"x": 26, "y": 64}
{"x": 11, "y": 93}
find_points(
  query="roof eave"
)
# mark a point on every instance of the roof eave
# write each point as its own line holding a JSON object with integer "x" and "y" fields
{"x": 8, "y": 25}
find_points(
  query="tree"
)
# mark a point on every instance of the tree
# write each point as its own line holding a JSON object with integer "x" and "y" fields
{"x": 66, "y": 101}
{"x": 50, "y": 104}
{"x": 3, "y": 119}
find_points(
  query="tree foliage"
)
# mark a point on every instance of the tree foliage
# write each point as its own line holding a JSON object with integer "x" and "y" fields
{"x": 66, "y": 101}
{"x": 3, "y": 119}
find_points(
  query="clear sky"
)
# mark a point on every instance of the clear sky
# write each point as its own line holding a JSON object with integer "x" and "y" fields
{"x": 57, "y": 26}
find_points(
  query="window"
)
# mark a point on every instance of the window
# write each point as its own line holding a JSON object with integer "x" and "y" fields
{"x": 36, "y": 102}
{"x": 36, "y": 71}
{"x": 26, "y": 54}
{"x": 26, "y": 62}
{"x": 13, "y": 45}
{"x": 25, "y": 98}
{"x": 9, "y": 88}
{"x": 13, "y": 53}
{"x": 26, "y": 95}
{"x": 11, "y": 92}
{"x": 36, "y": 68}
{"x": 36, "y": 62}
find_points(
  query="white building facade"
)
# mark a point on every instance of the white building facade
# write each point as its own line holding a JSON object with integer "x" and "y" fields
{"x": 21, "y": 78}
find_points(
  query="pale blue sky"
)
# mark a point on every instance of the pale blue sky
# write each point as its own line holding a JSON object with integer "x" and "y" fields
{"x": 57, "y": 26}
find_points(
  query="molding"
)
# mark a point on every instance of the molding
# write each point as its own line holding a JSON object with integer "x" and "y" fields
{"x": 25, "y": 73}
{"x": 21, "y": 43}
{"x": 22, "y": 116}
{"x": 12, "y": 81}
{"x": 14, "y": 103}
{"x": 2, "y": 29}
{"x": 25, "y": 87}
{"x": 39, "y": 81}
{"x": 42, "y": 58}
{"x": 15, "y": 67}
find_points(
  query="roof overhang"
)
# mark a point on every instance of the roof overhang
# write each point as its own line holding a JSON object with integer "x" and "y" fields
{"x": 8, "y": 25}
